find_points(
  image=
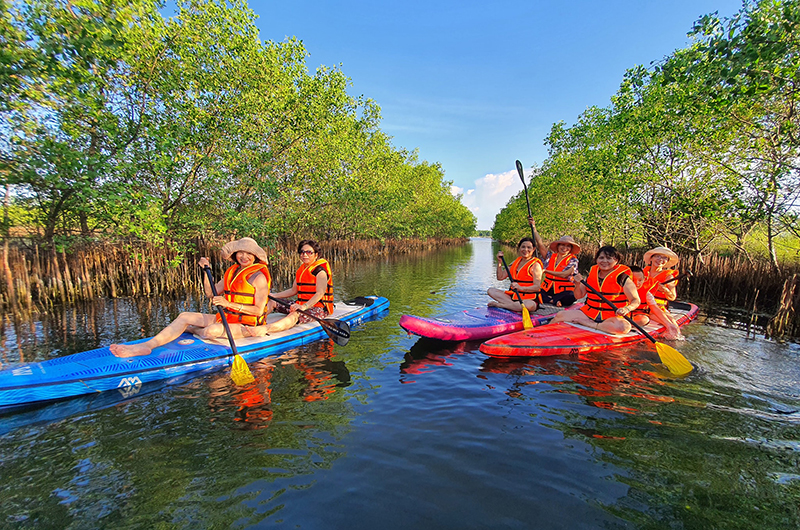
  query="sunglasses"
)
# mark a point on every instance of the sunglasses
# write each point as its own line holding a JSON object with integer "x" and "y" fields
{"x": 306, "y": 252}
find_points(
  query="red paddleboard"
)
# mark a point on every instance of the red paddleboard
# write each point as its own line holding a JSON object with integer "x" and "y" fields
{"x": 566, "y": 338}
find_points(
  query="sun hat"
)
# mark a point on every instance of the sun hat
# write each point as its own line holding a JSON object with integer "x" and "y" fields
{"x": 565, "y": 240}
{"x": 245, "y": 244}
{"x": 664, "y": 251}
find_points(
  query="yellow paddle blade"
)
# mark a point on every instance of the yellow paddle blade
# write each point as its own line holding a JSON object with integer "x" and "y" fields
{"x": 673, "y": 359}
{"x": 526, "y": 318}
{"x": 240, "y": 373}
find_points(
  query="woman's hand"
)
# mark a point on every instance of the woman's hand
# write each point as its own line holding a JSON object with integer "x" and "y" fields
{"x": 515, "y": 286}
{"x": 623, "y": 311}
{"x": 296, "y": 307}
{"x": 203, "y": 263}
{"x": 220, "y": 301}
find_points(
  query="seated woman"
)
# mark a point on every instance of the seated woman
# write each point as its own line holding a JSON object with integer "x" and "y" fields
{"x": 660, "y": 261}
{"x": 650, "y": 309}
{"x": 245, "y": 287}
{"x": 560, "y": 265}
{"x": 613, "y": 281}
{"x": 313, "y": 286}
{"x": 526, "y": 279}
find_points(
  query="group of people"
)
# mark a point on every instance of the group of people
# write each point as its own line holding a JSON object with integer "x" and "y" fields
{"x": 246, "y": 300}
{"x": 639, "y": 294}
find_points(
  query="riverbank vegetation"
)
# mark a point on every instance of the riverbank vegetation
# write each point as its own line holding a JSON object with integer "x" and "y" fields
{"x": 121, "y": 124}
{"x": 698, "y": 152}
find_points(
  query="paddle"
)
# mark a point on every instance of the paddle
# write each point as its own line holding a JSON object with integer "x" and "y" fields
{"x": 678, "y": 277}
{"x": 670, "y": 357}
{"x": 336, "y": 329}
{"x": 240, "y": 373}
{"x": 525, "y": 187}
{"x": 526, "y": 315}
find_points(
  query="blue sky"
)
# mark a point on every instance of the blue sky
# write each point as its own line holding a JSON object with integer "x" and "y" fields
{"x": 478, "y": 85}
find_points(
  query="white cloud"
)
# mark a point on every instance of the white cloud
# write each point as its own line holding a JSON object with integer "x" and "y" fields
{"x": 490, "y": 195}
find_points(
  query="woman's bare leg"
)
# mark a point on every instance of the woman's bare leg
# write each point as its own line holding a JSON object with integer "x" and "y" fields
{"x": 502, "y": 300}
{"x": 615, "y": 325}
{"x": 168, "y": 334}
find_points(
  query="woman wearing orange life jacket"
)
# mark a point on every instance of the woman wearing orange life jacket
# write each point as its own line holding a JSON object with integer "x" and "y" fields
{"x": 245, "y": 287}
{"x": 560, "y": 265}
{"x": 526, "y": 278}
{"x": 650, "y": 309}
{"x": 660, "y": 261}
{"x": 613, "y": 280}
{"x": 313, "y": 286}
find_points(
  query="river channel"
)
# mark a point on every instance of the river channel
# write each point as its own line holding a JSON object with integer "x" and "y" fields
{"x": 394, "y": 432}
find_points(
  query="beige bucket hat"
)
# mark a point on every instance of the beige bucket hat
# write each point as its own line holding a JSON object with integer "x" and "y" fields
{"x": 245, "y": 244}
{"x": 664, "y": 251}
{"x": 565, "y": 240}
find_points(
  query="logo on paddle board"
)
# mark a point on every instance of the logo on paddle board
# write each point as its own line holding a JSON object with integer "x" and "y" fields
{"x": 24, "y": 370}
{"x": 129, "y": 386}
{"x": 184, "y": 342}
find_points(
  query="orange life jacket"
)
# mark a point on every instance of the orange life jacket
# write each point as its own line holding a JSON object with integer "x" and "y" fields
{"x": 307, "y": 285}
{"x": 666, "y": 274}
{"x": 644, "y": 309}
{"x": 557, "y": 283}
{"x": 239, "y": 291}
{"x": 609, "y": 288}
{"x": 523, "y": 277}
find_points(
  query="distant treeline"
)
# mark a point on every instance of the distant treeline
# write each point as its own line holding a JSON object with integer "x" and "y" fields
{"x": 699, "y": 152}
{"x": 119, "y": 123}
{"x": 39, "y": 279}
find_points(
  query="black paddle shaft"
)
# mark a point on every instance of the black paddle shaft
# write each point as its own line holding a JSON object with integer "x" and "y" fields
{"x": 626, "y": 317}
{"x": 521, "y": 172}
{"x": 508, "y": 271}
{"x": 220, "y": 310}
{"x": 340, "y": 330}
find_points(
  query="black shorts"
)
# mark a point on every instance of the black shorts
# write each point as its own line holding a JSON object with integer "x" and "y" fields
{"x": 562, "y": 299}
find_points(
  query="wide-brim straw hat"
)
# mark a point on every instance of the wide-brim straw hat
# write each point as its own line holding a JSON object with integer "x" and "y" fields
{"x": 245, "y": 244}
{"x": 565, "y": 240}
{"x": 664, "y": 251}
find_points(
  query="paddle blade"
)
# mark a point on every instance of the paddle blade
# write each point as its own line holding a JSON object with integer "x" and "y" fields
{"x": 673, "y": 359}
{"x": 337, "y": 330}
{"x": 526, "y": 318}
{"x": 240, "y": 373}
{"x": 521, "y": 171}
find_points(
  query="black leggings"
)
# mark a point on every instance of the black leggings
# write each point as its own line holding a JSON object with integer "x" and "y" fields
{"x": 562, "y": 299}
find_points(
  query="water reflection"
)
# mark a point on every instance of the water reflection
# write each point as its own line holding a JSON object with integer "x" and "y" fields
{"x": 602, "y": 440}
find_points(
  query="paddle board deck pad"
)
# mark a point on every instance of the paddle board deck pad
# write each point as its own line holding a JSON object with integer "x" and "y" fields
{"x": 480, "y": 323}
{"x": 99, "y": 370}
{"x": 566, "y": 338}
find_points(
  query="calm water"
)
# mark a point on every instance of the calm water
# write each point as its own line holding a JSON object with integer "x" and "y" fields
{"x": 393, "y": 432}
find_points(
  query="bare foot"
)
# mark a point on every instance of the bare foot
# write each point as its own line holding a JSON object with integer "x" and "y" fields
{"x": 492, "y": 303}
{"x": 129, "y": 350}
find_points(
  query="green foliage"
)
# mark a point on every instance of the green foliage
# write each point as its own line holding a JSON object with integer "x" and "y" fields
{"x": 121, "y": 122}
{"x": 696, "y": 151}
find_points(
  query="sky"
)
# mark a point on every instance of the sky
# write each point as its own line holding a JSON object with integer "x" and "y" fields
{"x": 476, "y": 86}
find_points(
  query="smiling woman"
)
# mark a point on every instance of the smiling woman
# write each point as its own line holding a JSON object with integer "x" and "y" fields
{"x": 313, "y": 286}
{"x": 525, "y": 274}
{"x": 246, "y": 286}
